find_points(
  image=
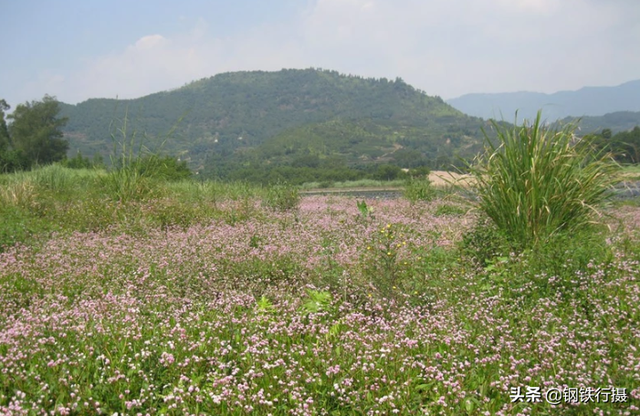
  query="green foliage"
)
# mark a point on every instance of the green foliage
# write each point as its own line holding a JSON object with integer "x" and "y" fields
{"x": 36, "y": 131}
{"x": 288, "y": 125}
{"x": 484, "y": 242}
{"x": 618, "y": 121}
{"x": 264, "y": 305}
{"x": 380, "y": 259}
{"x": 450, "y": 209}
{"x": 17, "y": 226}
{"x": 537, "y": 182}
{"x": 560, "y": 268}
{"x": 54, "y": 197}
{"x": 387, "y": 172}
{"x": 625, "y": 145}
{"x": 419, "y": 189}
{"x": 126, "y": 184}
{"x": 365, "y": 211}
{"x": 4, "y": 131}
{"x": 123, "y": 317}
{"x": 135, "y": 168}
{"x": 281, "y": 197}
{"x": 166, "y": 168}
{"x": 317, "y": 301}
{"x": 13, "y": 160}
{"x": 557, "y": 265}
{"x": 361, "y": 183}
{"x": 81, "y": 162}
{"x": 36, "y": 202}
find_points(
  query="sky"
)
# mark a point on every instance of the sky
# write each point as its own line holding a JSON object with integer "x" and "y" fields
{"x": 81, "y": 49}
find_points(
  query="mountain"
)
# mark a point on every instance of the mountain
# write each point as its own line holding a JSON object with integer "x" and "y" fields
{"x": 619, "y": 121}
{"x": 249, "y": 119}
{"x": 587, "y": 101}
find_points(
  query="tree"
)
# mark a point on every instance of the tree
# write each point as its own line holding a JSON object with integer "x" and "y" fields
{"x": 387, "y": 172}
{"x": 629, "y": 144}
{"x": 4, "y": 132}
{"x": 10, "y": 159}
{"x": 35, "y": 131}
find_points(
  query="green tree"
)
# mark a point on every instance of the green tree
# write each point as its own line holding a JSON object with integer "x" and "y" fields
{"x": 628, "y": 145}
{"x": 35, "y": 131}
{"x": 387, "y": 172}
{"x": 4, "y": 132}
{"x": 10, "y": 159}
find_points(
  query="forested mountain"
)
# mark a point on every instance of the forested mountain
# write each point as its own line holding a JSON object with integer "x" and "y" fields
{"x": 619, "y": 121}
{"x": 246, "y": 121}
{"x": 587, "y": 101}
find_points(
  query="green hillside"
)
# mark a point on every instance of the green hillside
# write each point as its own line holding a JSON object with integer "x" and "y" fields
{"x": 243, "y": 121}
{"x": 619, "y": 121}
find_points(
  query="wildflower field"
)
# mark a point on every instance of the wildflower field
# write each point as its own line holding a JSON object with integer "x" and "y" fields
{"x": 318, "y": 310}
{"x": 125, "y": 296}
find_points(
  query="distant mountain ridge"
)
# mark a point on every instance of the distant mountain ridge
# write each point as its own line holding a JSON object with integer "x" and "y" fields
{"x": 257, "y": 118}
{"x": 587, "y": 101}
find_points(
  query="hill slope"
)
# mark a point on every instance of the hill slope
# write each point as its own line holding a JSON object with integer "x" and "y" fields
{"x": 616, "y": 122}
{"x": 588, "y": 101}
{"x": 240, "y": 118}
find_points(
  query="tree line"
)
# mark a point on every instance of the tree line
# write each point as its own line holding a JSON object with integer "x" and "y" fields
{"x": 624, "y": 146}
{"x": 31, "y": 135}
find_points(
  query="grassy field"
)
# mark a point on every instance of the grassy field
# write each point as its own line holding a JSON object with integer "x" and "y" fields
{"x": 125, "y": 294}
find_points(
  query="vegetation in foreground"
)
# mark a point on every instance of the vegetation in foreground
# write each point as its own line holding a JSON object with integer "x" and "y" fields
{"x": 379, "y": 313}
{"x": 537, "y": 183}
{"x": 132, "y": 294}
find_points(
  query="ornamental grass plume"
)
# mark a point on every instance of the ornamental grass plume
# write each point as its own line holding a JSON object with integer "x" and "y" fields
{"x": 535, "y": 182}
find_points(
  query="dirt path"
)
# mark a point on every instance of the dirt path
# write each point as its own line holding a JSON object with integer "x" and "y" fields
{"x": 444, "y": 178}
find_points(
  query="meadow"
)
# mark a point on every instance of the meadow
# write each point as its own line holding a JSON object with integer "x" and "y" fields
{"x": 127, "y": 295}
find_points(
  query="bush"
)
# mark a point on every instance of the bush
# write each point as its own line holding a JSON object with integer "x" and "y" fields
{"x": 166, "y": 168}
{"x": 537, "y": 182}
{"x": 387, "y": 172}
{"x": 13, "y": 160}
{"x": 419, "y": 189}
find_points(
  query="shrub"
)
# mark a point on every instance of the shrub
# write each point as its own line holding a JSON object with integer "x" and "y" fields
{"x": 536, "y": 182}
{"x": 419, "y": 189}
{"x": 81, "y": 162}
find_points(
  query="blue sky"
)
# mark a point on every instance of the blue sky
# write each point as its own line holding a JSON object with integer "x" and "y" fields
{"x": 84, "y": 49}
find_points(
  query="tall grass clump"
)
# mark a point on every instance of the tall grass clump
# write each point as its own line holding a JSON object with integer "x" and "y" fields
{"x": 281, "y": 197}
{"x": 534, "y": 183}
{"x": 135, "y": 169}
{"x": 123, "y": 182}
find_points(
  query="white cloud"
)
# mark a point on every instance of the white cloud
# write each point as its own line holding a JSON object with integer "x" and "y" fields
{"x": 149, "y": 42}
{"x": 443, "y": 47}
